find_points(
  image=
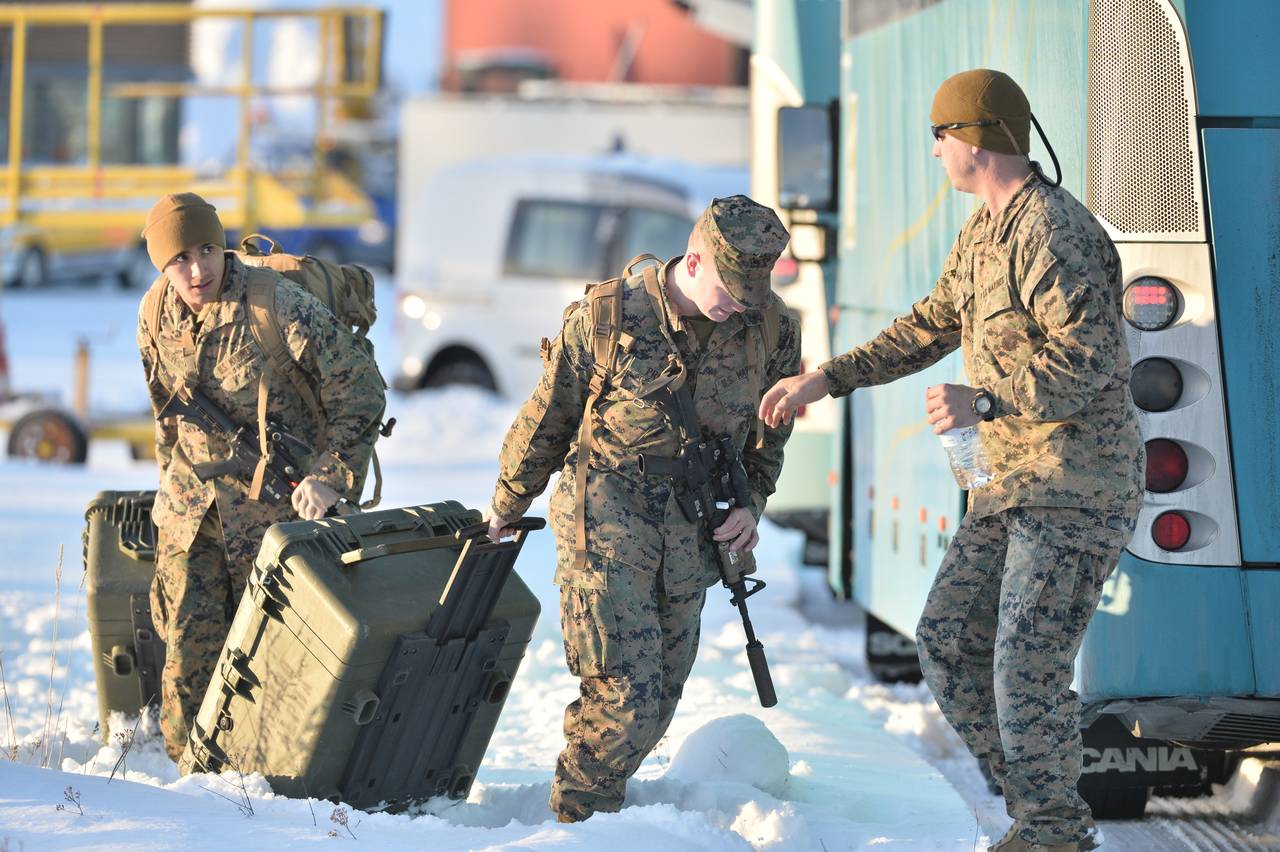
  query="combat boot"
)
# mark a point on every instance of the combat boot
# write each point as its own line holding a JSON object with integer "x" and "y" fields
{"x": 1088, "y": 844}
{"x": 1011, "y": 842}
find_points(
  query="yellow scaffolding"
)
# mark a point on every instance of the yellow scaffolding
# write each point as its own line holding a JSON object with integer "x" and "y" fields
{"x": 29, "y": 192}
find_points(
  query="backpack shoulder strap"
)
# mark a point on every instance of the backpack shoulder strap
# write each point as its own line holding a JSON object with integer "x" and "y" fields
{"x": 604, "y": 300}
{"x": 765, "y": 340}
{"x": 153, "y": 306}
{"x": 772, "y": 326}
{"x": 264, "y": 325}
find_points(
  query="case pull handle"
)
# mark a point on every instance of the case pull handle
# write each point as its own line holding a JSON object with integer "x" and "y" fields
{"x": 121, "y": 658}
{"x": 363, "y": 706}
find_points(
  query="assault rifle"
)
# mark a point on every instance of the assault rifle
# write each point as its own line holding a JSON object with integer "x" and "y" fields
{"x": 282, "y": 473}
{"x": 710, "y": 480}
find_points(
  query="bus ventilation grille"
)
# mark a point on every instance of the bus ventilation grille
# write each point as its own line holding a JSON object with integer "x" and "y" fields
{"x": 1143, "y": 168}
{"x": 1242, "y": 729}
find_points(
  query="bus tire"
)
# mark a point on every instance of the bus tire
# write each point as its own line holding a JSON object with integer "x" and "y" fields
{"x": 48, "y": 435}
{"x": 1115, "y": 802}
{"x": 891, "y": 657}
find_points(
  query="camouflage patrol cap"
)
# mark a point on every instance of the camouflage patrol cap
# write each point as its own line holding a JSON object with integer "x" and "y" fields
{"x": 985, "y": 95}
{"x": 745, "y": 238}
{"x": 176, "y": 223}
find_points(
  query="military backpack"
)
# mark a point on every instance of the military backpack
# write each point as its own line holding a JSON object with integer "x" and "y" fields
{"x": 345, "y": 289}
{"x": 608, "y": 337}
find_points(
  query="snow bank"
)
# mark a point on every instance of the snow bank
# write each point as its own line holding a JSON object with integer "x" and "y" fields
{"x": 737, "y": 749}
{"x": 819, "y": 771}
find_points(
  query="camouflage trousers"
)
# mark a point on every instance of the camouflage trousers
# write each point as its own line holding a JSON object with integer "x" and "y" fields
{"x": 193, "y": 599}
{"x": 632, "y": 645}
{"x": 998, "y": 640}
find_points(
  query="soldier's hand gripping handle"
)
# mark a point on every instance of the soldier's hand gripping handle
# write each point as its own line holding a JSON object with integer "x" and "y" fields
{"x": 495, "y": 525}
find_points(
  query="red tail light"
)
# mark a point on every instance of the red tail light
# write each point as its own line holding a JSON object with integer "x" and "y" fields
{"x": 1150, "y": 304}
{"x": 785, "y": 271}
{"x": 1166, "y": 465}
{"x": 1171, "y": 531}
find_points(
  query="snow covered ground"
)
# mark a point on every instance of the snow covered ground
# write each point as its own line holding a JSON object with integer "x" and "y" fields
{"x": 841, "y": 763}
{"x": 832, "y": 767}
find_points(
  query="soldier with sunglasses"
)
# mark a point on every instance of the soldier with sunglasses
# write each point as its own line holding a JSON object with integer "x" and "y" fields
{"x": 1030, "y": 293}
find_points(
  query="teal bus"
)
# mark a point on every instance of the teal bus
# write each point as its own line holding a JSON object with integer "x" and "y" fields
{"x": 795, "y": 62}
{"x": 1165, "y": 118}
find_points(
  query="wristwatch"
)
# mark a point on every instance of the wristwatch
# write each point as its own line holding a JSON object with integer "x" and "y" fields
{"x": 984, "y": 405}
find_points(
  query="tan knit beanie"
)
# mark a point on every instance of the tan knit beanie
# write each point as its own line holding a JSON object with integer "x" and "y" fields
{"x": 982, "y": 95}
{"x": 176, "y": 223}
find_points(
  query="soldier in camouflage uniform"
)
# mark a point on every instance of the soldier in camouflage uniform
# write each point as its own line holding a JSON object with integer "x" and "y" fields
{"x": 210, "y": 531}
{"x": 1031, "y": 294}
{"x": 633, "y": 574}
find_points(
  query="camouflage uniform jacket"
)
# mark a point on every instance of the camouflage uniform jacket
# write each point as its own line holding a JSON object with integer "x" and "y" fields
{"x": 219, "y": 356}
{"x": 632, "y": 518}
{"x": 1032, "y": 296}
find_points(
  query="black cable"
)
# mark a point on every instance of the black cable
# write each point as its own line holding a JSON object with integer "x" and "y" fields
{"x": 1036, "y": 166}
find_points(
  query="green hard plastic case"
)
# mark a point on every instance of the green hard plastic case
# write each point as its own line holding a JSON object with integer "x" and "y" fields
{"x": 119, "y": 560}
{"x": 369, "y": 659}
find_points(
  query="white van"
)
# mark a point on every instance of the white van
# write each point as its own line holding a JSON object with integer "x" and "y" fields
{"x": 493, "y": 251}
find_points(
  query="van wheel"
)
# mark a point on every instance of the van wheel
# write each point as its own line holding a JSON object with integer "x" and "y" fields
{"x": 32, "y": 271}
{"x": 49, "y": 435}
{"x": 464, "y": 371}
{"x": 139, "y": 272}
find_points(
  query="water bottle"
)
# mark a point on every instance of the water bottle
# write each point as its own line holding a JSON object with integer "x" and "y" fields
{"x": 969, "y": 462}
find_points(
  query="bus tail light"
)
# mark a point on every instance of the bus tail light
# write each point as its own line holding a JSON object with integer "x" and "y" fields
{"x": 1171, "y": 531}
{"x": 1167, "y": 465}
{"x": 1156, "y": 384}
{"x": 1151, "y": 304}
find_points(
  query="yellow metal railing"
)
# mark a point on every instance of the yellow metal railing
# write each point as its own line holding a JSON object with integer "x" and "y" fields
{"x": 96, "y": 181}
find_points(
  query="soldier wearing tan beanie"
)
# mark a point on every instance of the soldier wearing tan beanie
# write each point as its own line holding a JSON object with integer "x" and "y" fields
{"x": 194, "y": 332}
{"x": 179, "y": 221}
{"x": 187, "y": 244}
{"x": 1030, "y": 294}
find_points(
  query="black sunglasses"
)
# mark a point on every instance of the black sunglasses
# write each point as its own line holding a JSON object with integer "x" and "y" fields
{"x": 940, "y": 130}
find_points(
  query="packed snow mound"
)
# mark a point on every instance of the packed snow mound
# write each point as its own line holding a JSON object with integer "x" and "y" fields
{"x": 739, "y": 749}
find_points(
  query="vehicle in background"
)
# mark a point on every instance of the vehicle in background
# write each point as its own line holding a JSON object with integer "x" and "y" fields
{"x": 795, "y": 78}
{"x": 501, "y": 247}
{"x": 114, "y": 84}
{"x": 1163, "y": 118}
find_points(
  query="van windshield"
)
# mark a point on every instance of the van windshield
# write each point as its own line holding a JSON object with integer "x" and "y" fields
{"x": 654, "y": 231}
{"x": 557, "y": 239}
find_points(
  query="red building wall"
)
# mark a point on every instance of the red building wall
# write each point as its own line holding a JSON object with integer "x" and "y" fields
{"x": 583, "y": 40}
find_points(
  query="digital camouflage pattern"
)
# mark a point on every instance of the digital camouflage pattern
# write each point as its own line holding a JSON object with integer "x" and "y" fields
{"x": 217, "y": 354}
{"x": 1000, "y": 631}
{"x": 193, "y": 600}
{"x": 637, "y": 539}
{"x": 1032, "y": 296}
{"x": 745, "y": 239}
{"x": 633, "y": 646}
